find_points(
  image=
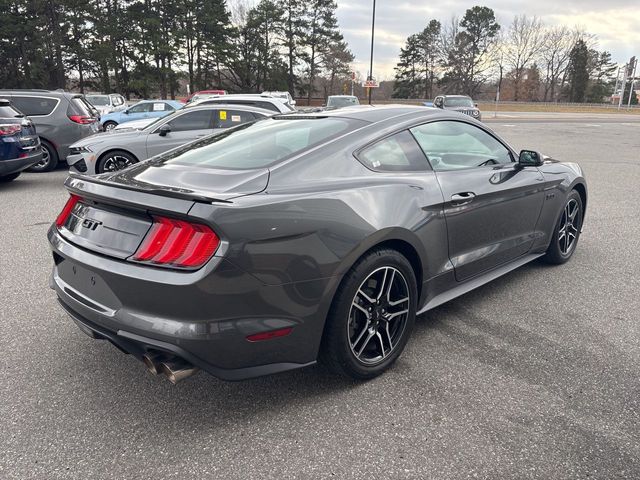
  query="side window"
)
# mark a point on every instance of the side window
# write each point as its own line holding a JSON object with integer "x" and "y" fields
{"x": 34, "y": 105}
{"x": 451, "y": 145}
{"x": 140, "y": 108}
{"x": 231, "y": 118}
{"x": 200, "y": 120}
{"x": 161, "y": 107}
{"x": 267, "y": 106}
{"x": 397, "y": 153}
{"x": 117, "y": 100}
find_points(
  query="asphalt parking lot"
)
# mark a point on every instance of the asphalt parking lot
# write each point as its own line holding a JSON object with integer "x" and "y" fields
{"x": 536, "y": 375}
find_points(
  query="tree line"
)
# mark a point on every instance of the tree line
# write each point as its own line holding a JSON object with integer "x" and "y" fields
{"x": 145, "y": 47}
{"x": 526, "y": 61}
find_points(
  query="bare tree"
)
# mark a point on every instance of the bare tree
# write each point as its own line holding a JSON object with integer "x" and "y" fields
{"x": 555, "y": 55}
{"x": 524, "y": 42}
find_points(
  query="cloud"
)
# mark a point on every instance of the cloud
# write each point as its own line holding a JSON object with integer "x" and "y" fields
{"x": 614, "y": 22}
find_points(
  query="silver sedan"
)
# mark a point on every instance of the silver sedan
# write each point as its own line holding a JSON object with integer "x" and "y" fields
{"x": 115, "y": 150}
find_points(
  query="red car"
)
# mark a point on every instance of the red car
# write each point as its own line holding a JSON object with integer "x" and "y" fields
{"x": 205, "y": 92}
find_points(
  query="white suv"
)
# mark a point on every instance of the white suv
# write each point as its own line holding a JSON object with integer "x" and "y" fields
{"x": 275, "y": 104}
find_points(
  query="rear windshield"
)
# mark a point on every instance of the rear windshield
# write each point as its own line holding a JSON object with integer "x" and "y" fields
{"x": 79, "y": 106}
{"x": 259, "y": 144}
{"x": 6, "y": 111}
{"x": 342, "y": 101}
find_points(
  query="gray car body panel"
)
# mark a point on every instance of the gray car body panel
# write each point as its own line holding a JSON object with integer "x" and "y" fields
{"x": 55, "y": 128}
{"x": 147, "y": 142}
{"x": 286, "y": 248}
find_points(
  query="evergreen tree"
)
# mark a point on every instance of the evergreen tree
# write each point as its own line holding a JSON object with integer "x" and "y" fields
{"x": 578, "y": 72}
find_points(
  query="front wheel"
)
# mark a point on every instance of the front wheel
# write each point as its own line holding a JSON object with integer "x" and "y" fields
{"x": 567, "y": 232}
{"x": 372, "y": 315}
{"x": 109, "y": 126}
{"x": 115, "y": 160}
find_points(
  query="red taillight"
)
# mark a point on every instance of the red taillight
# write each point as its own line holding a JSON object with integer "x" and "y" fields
{"x": 9, "y": 129}
{"x": 177, "y": 243}
{"x": 82, "y": 119}
{"x": 258, "y": 337}
{"x": 66, "y": 211}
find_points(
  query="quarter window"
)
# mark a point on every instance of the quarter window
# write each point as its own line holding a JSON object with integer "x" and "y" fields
{"x": 397, "y": 153}
{"x": 231, "y": 118}
{"x": 451, "y": 145}
{"x": 34, "y": 106}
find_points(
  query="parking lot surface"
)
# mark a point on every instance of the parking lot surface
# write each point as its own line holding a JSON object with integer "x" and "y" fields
{"x": 536, "y": 375}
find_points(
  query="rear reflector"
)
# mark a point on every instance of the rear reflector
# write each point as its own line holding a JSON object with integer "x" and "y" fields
{"x": 9, "y": 129}
{"x": 177, "y": 243}
{"x": 66, "y": 211}
{"x": 82, "y": 119}
{"x": 258, "y": 337}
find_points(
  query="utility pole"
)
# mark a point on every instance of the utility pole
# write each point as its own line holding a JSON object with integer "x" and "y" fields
{"x": 373, "y": 29}
{"x": 633, "y": 81}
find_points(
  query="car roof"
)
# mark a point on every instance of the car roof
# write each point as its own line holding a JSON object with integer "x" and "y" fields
{"x": 455, "y": 96}
{"x": 342, "y": 96}
{"x": 371, "y": 113}
{"x": 232, "y": 106}
{"x": 41, "y": 92}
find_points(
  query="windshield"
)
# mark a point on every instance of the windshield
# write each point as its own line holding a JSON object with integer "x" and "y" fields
{"x": 342, "y": 101}
{"x": 259, "y": 144}
{"x": 98, "y": 100}
{"x": 458, "y": 102}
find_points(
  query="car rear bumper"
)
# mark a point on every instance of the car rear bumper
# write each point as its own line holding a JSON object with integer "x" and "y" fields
{"x": 203, "y": 318}
{"x": 7, "y": 167}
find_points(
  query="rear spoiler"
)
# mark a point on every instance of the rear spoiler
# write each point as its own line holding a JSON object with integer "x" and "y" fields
{"x": 79, "y": 183}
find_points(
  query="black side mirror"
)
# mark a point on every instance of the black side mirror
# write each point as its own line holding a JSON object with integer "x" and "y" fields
{"x": 126, "y": 111}
{"x": 530, "y": 158}
{"x": 164, "y": 129}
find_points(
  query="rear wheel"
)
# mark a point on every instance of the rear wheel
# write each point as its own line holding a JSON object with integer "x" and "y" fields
{"x": 9, "y": 178}
{"x": 567, "y": 231}
{"x": 116, "y": 160}
{"x": 49, "y": 159}
{"x": 109, "y": 126}
{"x": 372, "y": 315}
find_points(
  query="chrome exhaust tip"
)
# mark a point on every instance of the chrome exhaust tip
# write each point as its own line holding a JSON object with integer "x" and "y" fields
{"x": 153, "y": 362}
{"x": 177, "y": 369}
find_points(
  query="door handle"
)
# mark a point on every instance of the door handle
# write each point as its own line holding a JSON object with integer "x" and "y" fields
{"x": 462, "y": 198}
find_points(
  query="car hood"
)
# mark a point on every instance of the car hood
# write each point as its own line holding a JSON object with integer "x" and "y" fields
{"x": 110, "y": 137}
{"x": 200, "y": 183}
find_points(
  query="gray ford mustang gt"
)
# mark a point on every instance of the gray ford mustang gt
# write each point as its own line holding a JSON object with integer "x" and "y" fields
{"x": 303, "y": 237}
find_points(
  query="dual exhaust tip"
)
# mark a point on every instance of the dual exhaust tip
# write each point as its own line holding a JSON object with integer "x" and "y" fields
{"x": 172, "y": 367}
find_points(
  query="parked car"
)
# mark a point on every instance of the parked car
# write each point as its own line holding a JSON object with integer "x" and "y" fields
{"x": 19, "y": 144}
{"x": 115, "y": 150}
{"x": 105, "y": 104}
{"x": 61, "y": 118}
{"x": 203, "y": 93}
{"x": 286, "y": 96}
{"x": 305, "y": 236}
{"x": 143, "y": 109}
{"x": 277, "y": 105}
{"x": 458, "y": 103}
{"x": 341, "y": 101}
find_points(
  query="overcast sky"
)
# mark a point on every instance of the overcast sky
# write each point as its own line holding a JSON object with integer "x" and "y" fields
{"x": 615, "y": 22}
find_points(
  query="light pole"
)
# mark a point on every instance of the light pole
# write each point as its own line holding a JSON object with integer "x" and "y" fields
{"x": 373, "y": 29}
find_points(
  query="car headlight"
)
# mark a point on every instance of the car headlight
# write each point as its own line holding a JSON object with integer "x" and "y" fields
{"x": 76, "y": 150}
{"x": 475, "y": 113}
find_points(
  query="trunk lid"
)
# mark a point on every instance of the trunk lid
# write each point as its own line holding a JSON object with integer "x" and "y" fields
{"x": 186, "y": 181}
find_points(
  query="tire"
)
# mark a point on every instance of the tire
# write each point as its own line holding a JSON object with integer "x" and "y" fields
{"x": 49, "y": 159}
{"x": 109, "y": 126}
{"x": 356, "y": 341}
{"x": 115, "y": 160}
{"x": 566, "y": 232}
{"x": 9, "y": 178}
